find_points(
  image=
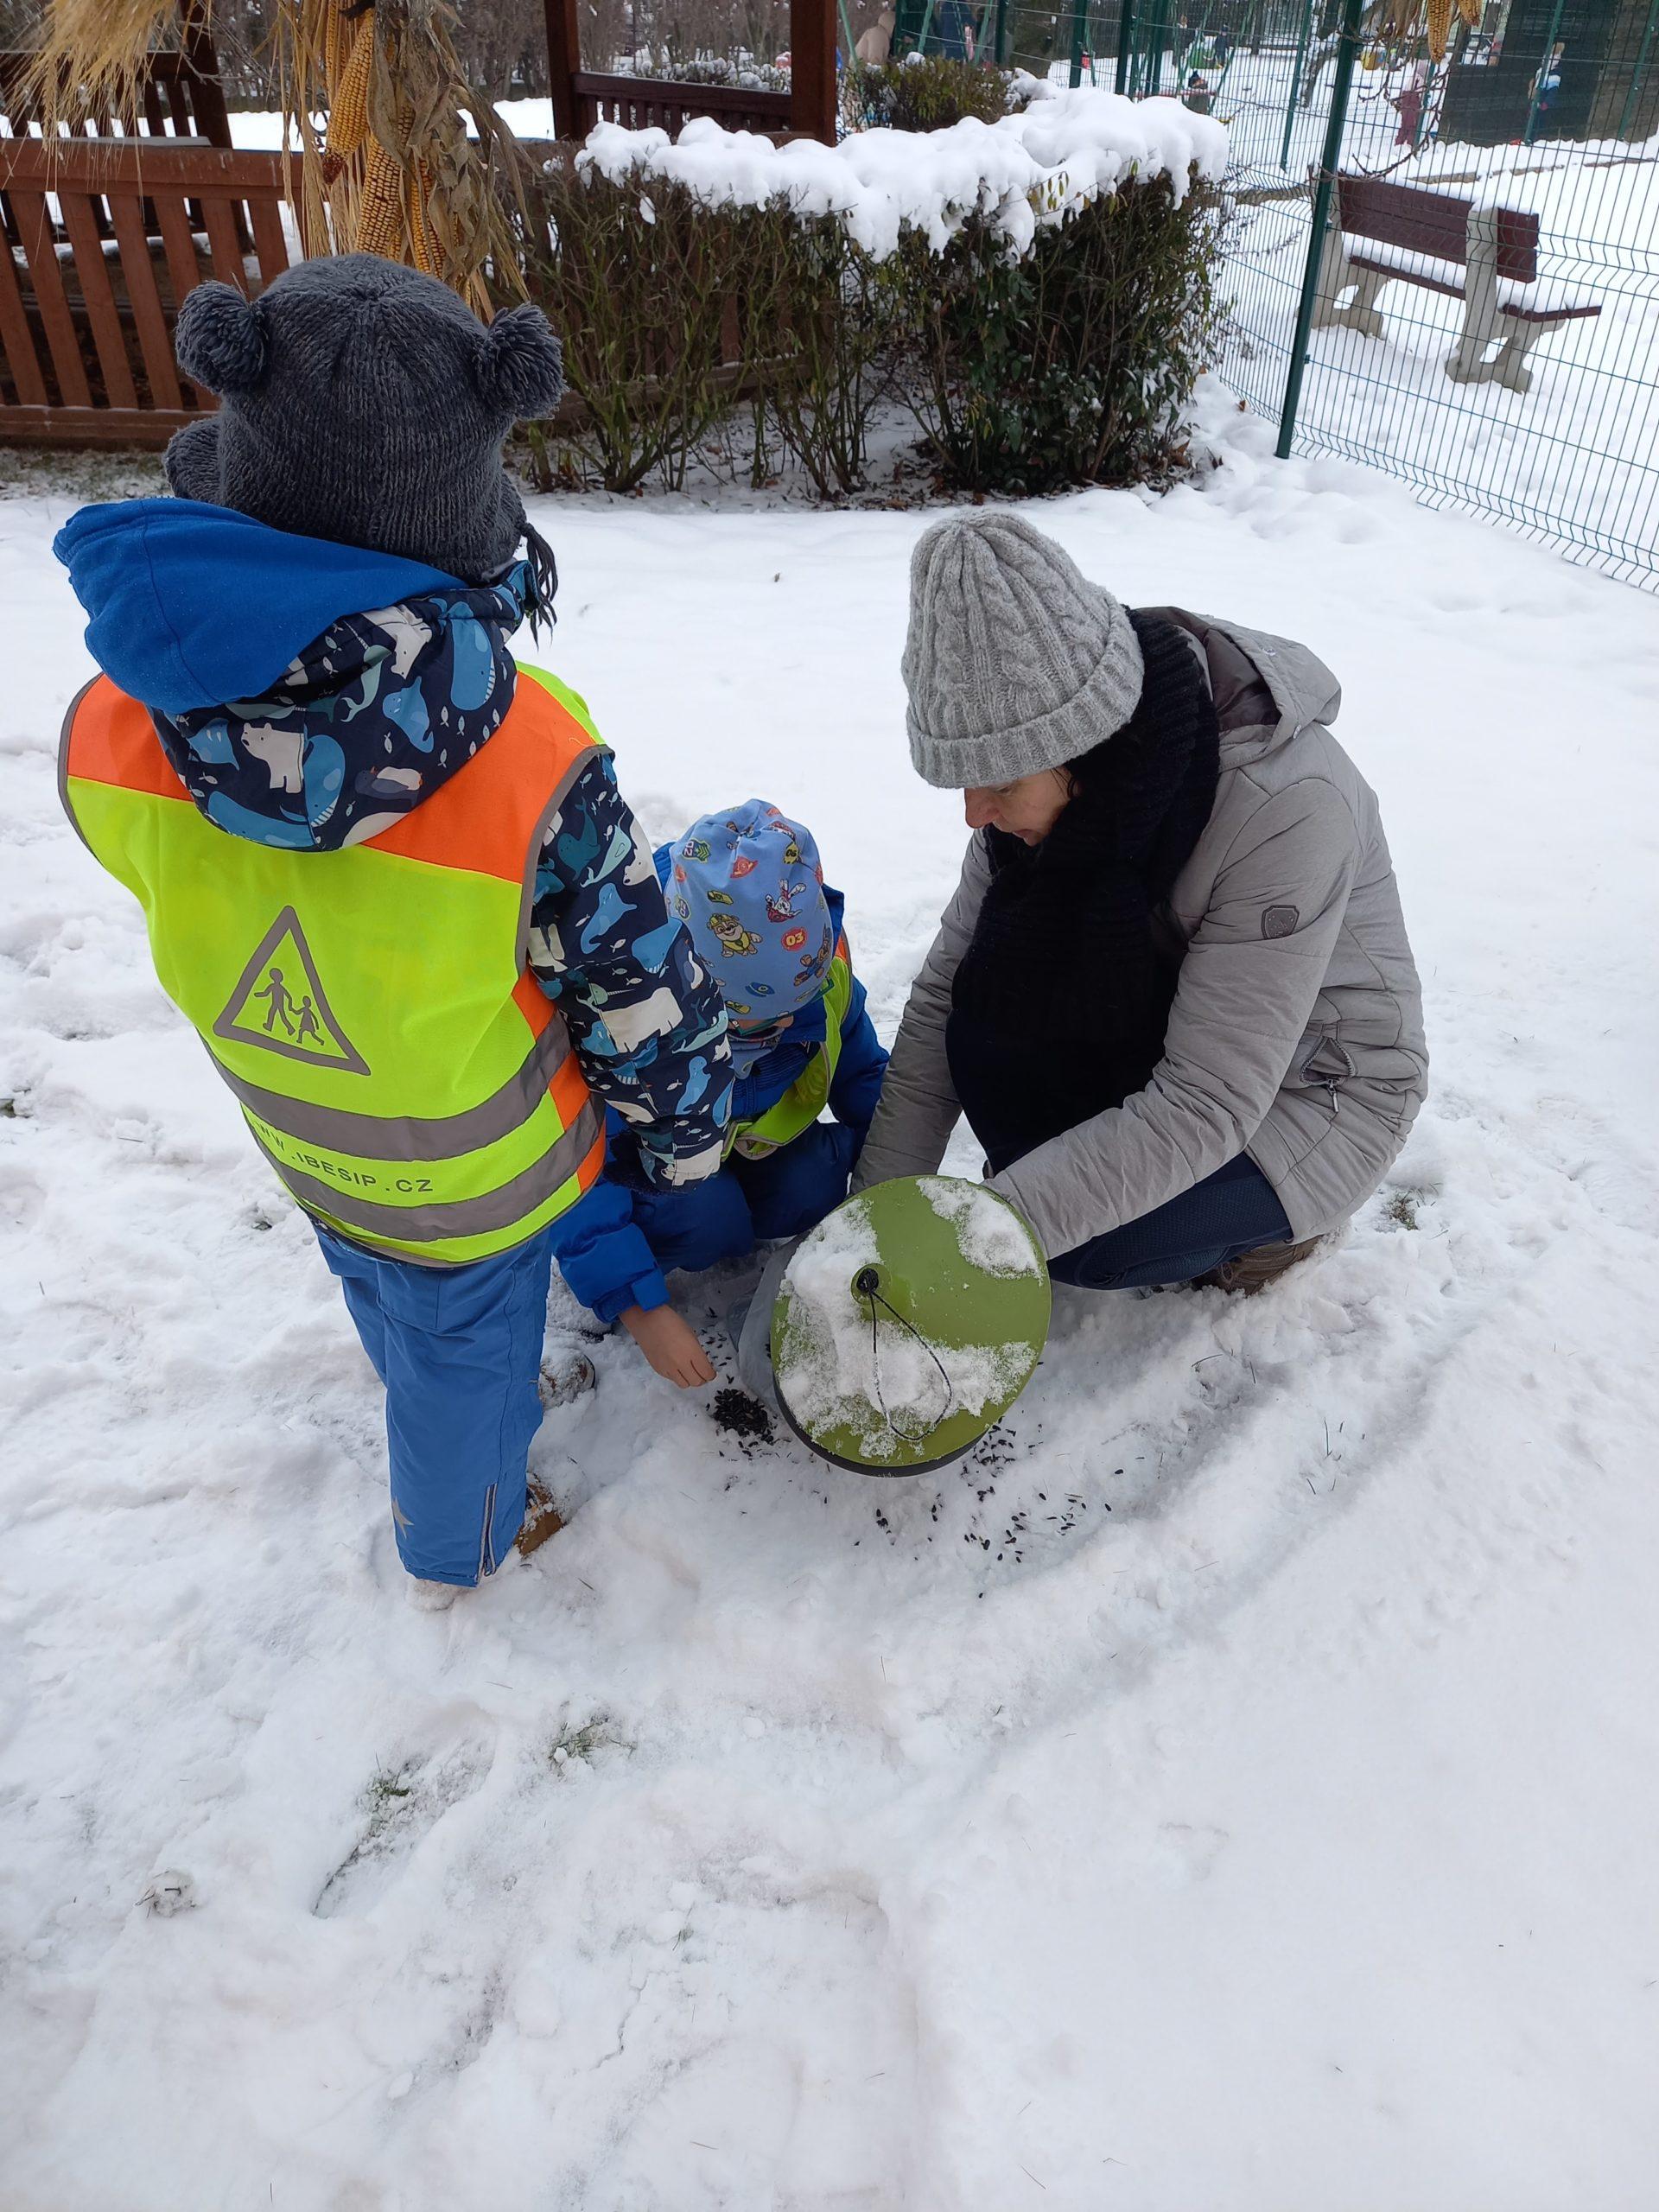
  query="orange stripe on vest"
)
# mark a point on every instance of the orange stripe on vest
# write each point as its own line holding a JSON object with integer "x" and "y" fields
{"x": 483, "y": 819}
{"x": 112, "y": 741}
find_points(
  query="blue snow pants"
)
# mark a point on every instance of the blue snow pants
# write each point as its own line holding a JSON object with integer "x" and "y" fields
{"x": 459, "y": 1352}
{"x": 1229, "y": 1213}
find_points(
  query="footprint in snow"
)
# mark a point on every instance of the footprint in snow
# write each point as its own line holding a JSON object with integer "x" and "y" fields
{"x": 400, "y": 1808}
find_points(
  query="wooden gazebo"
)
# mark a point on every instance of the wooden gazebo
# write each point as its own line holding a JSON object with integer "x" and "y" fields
{"x": 583, "y": 97}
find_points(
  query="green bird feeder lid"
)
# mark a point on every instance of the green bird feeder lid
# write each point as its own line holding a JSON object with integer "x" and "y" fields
{"x": 908, "y": 1323}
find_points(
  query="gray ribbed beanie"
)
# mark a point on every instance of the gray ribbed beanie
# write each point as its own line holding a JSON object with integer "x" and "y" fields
{"x": 1014, "y": 661}
{"x": 366, "y": 403}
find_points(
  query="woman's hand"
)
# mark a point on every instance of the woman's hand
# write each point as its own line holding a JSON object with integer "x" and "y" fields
{"x": 671, "y": 1345}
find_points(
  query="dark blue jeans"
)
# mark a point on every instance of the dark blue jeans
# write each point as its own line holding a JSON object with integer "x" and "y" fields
{"x": 694, "y": 1224}
{"x": 1229, "y": 1213}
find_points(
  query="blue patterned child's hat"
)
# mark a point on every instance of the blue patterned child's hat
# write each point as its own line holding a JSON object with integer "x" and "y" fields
{"x": 747, "y": 884}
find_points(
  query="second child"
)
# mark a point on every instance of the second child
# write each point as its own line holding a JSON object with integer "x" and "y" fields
{"x": 747, "y": 884}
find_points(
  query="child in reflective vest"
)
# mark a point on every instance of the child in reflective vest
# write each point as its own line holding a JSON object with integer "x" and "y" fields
{"x": 747, "y": 884}
{"x": 387, "y": 871}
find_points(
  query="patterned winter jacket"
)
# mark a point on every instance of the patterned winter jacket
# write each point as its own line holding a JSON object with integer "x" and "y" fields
{"x": 367, "y": 720}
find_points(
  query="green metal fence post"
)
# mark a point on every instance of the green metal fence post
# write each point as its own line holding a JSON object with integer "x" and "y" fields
{"x": 1348, "y": 43}
{"x": 1302, "y": 38}
{"x": 1126, "y": 46}
{"x": 1638, "y": 73}
{"x": 1000, "y": 35}
{"x": 1079, "y": 32}
{"x": 1543, "y": 72}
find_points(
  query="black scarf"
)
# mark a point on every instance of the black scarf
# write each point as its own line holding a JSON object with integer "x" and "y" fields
{"x": 1060, "y": 1002}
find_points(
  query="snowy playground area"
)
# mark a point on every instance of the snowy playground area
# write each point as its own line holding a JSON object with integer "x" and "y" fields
{"x": 1232, "y": 1789}
{"x": 1577, "y": 457}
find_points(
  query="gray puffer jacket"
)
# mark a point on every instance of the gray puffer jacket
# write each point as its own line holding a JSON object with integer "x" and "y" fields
{"x": 1296, "y": 1033}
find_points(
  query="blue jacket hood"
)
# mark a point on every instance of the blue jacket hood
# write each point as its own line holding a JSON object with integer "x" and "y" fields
{"x": 192, "y": 605}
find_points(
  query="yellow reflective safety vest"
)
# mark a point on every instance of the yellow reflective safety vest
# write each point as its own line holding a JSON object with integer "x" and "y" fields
{"x": 807, "y": 1095}
{"x": 373, "y": 1009}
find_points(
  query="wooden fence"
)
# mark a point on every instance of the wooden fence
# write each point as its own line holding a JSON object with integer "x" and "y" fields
{"x": 640, "y": 103}
{"x": 177, "y": 95}
{"x": 102, "y": 239}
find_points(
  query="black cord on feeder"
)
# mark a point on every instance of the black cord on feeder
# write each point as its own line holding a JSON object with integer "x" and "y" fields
{"x": 867, "y": 1283}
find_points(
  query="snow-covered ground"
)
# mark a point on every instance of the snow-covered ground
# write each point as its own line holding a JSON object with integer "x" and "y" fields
{"x": 1236, "y": 1792}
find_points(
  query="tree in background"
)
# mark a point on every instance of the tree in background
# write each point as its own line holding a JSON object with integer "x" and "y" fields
{"x": 502, "y": 46}
{"x": 689, "y": 31}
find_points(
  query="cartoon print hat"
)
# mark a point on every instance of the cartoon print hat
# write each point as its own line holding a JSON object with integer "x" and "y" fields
{"x": 747, "y": 883}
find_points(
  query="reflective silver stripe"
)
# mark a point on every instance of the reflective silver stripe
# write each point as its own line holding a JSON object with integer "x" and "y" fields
{"x": 64, "y": 736}
{"x": 372, "y": 1136}
{"x": 543, "y": 823}
{"x": 492, "y": 1210}
{"x": 485, "y": 1549}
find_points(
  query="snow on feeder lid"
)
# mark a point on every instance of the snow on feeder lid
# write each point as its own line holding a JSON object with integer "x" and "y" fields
{"x": 907, "y": 1323}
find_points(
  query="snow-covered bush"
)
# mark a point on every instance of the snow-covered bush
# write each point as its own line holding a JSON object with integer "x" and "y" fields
{"x": 1072, "y": 363}
{"x": 744, "y": 73}
{"x": 640, "y": 286}
{"x": 1038, "y": 287}
{"x": 924, "y": 94}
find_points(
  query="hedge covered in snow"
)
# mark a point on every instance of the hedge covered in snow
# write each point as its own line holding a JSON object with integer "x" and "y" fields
{"x": 1015, "y": 176}
{"x": 1037, "y": 291}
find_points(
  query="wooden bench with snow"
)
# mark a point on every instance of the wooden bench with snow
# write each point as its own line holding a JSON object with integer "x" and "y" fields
{"x": 1484, "y": 256}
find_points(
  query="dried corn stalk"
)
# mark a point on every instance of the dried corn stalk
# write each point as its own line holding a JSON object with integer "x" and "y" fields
{"x": 397, "y": 172}
{"x": 374, "y": 97}
{"x": 1404, "y": 19}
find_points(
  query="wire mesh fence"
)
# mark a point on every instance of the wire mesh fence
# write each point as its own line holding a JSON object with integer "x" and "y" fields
{"x": 1481, "y": 310}
{"x": 1480, "y": 317}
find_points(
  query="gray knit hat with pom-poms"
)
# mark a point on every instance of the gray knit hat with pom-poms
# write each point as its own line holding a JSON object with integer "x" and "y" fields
{"x": 1014, "y": 661}
{"x": 366, "y": 403}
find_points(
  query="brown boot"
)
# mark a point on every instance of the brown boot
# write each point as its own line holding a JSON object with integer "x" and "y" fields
{"x": 1254, "y": 1271}
{"x": 542, "y": 1520}
{"x": 566, "y": 1377}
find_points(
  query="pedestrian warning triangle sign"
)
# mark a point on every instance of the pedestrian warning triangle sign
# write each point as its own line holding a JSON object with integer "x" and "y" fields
{"x": 280, "y": 1005}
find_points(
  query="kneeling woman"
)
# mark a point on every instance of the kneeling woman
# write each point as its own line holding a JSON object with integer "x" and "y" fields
{"x": 1172, "y": 993}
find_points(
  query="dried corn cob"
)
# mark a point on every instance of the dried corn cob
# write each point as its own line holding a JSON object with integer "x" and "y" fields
{"x": 381, "y": 205}
{"x": 422, "y": 250}
{"x": 348, "y": 116}
{"x": 1439, "y": 25}
{"x": 336, "y": 45}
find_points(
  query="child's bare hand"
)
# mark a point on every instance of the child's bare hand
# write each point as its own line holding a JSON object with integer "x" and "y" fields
{"x": 671, "y": 1345}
